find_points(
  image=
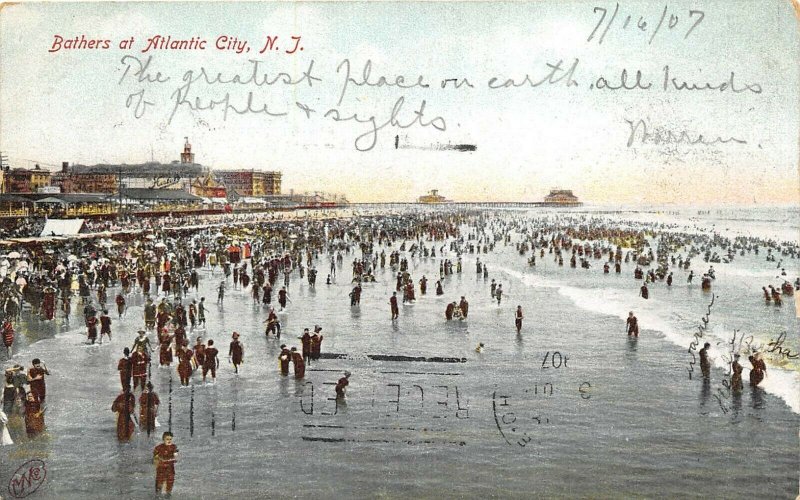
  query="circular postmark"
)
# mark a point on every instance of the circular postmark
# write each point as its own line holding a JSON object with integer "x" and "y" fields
{"x": 27, "y": 478}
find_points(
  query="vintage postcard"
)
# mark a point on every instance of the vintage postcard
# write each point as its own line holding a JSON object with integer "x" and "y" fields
{"x": 404, "y": 250}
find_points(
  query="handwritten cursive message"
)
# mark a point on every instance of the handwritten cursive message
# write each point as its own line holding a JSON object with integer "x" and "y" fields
{"x": 280, "y": 79}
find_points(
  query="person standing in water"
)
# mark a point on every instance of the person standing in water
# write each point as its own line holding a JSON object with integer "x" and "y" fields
{"x": 393, "y": 304}
{"x": 36, "y": 379}
{"x": 283, "y": 296}
{"x": 124, "y": 406}
{"x": 632, "y": 325}
{"x": 148, "y": 408}
{"x": 164, "y": 457}
{"x": 305, "y": 340}
{"x": 201, "y": 312}
{"x": 140, "y": 361}
{"x": 8, "y": 335}
{"x": 518, "y": 317}
{"x": 341, "y": 386}
{"x": 105, "y": 325}
{"x": 316, "y": 342}
{"x": 120, "y": 301}
{"x": 464, "y": 306}
{"x": 211, "y": 362}
{"x": 298, "y": 362}
{"x": 91, "y": 327}
{"x": 236, "y": 352}
{"x": 125, "y": 369}
{"x": 284, "y": 358}
{"x": 34, "y": 416}
{"x": 736, "y": 375}
{"x": 705, "y": 364}
{"x": 758, "y": 371}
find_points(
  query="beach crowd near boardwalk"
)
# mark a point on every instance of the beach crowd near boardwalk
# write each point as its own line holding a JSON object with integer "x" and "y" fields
{"x": 179, "y": 271}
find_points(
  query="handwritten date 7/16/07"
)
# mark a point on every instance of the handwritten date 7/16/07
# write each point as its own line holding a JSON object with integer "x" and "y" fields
{"x": 650, "y": 24}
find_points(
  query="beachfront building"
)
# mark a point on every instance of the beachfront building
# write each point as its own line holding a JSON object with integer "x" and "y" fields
{"x": 68, "y": 181}
{"x": 73, "y": 205}
{"x": 24, "y": 180}
{"x": 272, "y": 183}
{"x": 158, "y": 200}
{"x": 208, "y": 187}
{"x": 15, "y": 206}
{"x": 151, "y": 175}
{"x": 107, "y": 178}
{"x": 250, "y": 182}
{"x": 145, "y": 185}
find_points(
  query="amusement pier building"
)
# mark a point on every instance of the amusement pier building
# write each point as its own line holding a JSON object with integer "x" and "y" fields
{"x": 562, "y": 198}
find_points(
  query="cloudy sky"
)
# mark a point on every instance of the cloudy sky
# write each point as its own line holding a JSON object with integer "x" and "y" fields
{"x": 80, "y": 105}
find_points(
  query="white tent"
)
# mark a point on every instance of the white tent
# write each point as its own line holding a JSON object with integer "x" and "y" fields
{"x": 62, "y": 227}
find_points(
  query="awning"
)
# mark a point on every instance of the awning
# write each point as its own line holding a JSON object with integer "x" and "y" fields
{"x": 62, "y": 227}
{"x": 252, "y": 200}
{"x": 11, "y": 198}
{"x": 159, "y": 195}
{"x": 73, "y": 198}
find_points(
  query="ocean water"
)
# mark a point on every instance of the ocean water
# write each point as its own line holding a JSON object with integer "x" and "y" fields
{"x": 605, "y": 417}
{"x": 676, "y": 311}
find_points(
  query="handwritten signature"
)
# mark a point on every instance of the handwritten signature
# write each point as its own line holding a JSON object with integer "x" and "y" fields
{"x": 701, "y": 328}
{"x": 639, "y": 132}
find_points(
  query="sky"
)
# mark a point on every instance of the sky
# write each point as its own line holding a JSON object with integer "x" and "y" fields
{"x": 80, "y": 105}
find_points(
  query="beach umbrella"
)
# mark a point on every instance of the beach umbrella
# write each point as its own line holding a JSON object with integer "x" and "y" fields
{"x": 72, "y": 258}
{"x": 160, "y": 244}
{"x": 14, "y": 255}
{"x": 150, "y": 236}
